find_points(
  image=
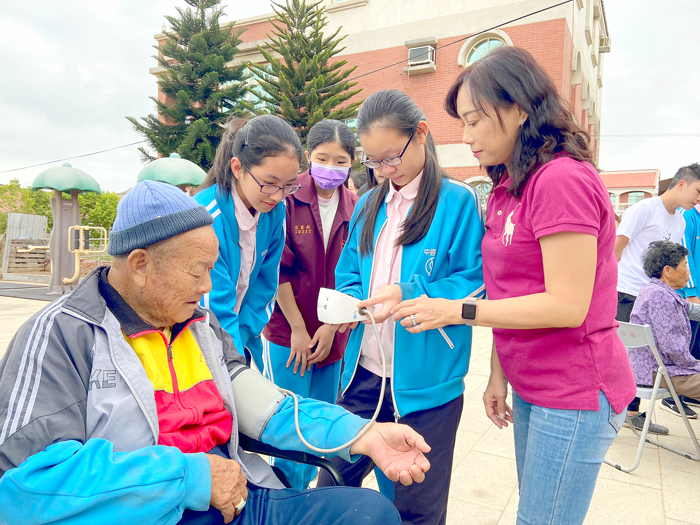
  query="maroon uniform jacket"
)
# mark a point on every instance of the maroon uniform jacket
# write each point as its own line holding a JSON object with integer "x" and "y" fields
{"x": 307, "y": 266}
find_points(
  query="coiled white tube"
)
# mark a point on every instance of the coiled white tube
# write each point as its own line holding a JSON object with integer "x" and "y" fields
{"x": 364, "y": 429}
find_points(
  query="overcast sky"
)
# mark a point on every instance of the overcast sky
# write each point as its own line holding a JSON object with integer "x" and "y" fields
{"x": 70, "y": 70}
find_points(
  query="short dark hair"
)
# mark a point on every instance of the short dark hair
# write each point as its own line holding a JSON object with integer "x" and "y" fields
{"x": 359, "y": 178}
{"x": 661, "y": 254}
{"x": 326, "y": 131}
{"x": 689, "y": 173}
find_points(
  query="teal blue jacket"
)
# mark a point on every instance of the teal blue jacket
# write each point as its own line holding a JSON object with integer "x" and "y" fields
{"x": 429, "y": 367}
{"x": 257, "y": 306}
{"x": 691, "y": 240}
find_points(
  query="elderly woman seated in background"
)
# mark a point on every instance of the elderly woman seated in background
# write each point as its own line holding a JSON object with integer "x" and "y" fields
{"x": 668, "y": 314}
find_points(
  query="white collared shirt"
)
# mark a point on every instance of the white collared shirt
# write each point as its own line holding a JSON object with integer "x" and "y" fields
{"x": 247, "y": 228}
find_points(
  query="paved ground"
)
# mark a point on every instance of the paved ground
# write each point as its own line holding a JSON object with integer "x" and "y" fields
{"x": 663, "y": 490}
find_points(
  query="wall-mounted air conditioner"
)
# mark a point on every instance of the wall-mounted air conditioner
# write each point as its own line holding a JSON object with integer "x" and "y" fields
{"x": 421, "y": 55}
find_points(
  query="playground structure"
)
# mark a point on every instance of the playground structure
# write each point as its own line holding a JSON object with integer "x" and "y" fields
{"x": 66, "y": 215}
{"x": 80, "y": 242}
{"x": 173, "y": 170}
{"x": 29, "y": 251}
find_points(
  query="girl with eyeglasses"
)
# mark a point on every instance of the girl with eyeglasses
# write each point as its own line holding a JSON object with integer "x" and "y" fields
{"x": 255, "y": 167}
{"x": 417, "y": 233}
{"x": 302, "y": 354}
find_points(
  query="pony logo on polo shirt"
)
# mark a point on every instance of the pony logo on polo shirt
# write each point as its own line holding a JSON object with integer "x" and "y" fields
{"x": 509, "y": 229}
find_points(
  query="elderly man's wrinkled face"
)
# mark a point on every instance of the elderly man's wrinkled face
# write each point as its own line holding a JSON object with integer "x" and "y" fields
{"x": 180, "y": 276}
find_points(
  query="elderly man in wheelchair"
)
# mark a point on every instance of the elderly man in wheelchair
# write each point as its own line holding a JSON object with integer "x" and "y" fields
{"x": 124, "y": 401}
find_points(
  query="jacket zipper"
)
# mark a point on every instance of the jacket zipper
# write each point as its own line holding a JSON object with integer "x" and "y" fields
{"x": 359, "y": 353}
{"x": 173, "y": 375}
{"x": 443, "y": 333}
{"x": 223, "y": 391}
{"x": 397, "y": 416}
{"x": 178, "y": 397}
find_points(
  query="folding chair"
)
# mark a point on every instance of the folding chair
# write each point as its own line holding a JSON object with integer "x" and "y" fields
{"x": 634, "y": 336}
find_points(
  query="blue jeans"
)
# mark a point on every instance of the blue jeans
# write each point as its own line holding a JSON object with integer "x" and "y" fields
{"x": 317, "y": 383}
{"x": 558, "y": 455}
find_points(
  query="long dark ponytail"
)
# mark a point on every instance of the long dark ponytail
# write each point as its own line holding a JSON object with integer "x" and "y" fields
{"x": 395, "y": 110}
{"x": 251, "y": 141}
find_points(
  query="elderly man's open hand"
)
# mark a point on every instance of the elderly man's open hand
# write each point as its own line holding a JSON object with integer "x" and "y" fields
{"x": 397, "y": 450}
{"x": 228, "y": 486}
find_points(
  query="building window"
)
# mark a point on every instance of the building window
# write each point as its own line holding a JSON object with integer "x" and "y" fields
{"x": 634, "y": 197}
{"x": 352, "y": 124}
{"x": 253, "y": 96}
{"x": 481, "y": 49}
{"x": 613, "y": 198}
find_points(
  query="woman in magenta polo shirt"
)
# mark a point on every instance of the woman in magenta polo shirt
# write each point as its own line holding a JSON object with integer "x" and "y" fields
{"x": 550, "y": 275}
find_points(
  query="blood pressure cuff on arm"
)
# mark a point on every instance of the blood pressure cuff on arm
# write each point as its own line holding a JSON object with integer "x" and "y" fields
{"x": 256, "y": 399}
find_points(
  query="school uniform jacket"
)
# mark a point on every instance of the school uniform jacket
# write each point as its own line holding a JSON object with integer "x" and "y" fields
{"x": 308, "y": 265}
{"x": 691, "y": 240}
{"x": 255, "y": 311}
{"x": 428, "y": 367}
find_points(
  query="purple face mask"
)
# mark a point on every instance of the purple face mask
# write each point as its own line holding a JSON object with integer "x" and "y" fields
{"x": 328, "y": 177}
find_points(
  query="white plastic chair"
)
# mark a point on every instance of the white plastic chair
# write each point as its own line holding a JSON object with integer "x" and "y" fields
{"x": 634, "y": 336}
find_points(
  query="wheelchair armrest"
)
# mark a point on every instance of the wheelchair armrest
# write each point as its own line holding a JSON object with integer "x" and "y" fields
{"x": 252, "y": 445}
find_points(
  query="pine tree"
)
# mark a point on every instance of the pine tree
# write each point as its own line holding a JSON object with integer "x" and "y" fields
{"x": 201, "y": 90}
{"x": 301, "y": 83}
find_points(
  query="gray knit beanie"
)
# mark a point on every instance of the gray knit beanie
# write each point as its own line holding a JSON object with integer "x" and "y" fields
{"x": 152, "y": 212}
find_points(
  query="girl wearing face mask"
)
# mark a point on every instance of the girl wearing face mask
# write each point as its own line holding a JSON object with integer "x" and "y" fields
{"x": 301, "y": 353}
{"x": 256, "y": 166}
{"x": 417, "y": 233}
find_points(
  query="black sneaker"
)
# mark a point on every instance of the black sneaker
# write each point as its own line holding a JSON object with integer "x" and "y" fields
{"x": 689, "y": 401}
{"x": 670, "y": 406}
{"x": 638, "y": 422}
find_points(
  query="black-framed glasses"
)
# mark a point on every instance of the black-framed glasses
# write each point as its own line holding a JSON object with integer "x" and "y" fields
{"x": 271, "y": 189}
{"x": 388, "y": 161}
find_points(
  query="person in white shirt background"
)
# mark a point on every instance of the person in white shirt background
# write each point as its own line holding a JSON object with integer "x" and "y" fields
{"x": 655, "y": 219}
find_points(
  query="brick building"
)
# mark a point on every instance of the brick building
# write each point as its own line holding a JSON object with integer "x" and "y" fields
{"x": 569, "y": 41}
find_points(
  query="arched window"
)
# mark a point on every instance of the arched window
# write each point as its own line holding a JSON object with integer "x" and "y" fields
{"x": 634, "y": 197}
{"x": 613, "y": 198}
{"x": 482, "y": 47}
{"x": 478, "y": 46}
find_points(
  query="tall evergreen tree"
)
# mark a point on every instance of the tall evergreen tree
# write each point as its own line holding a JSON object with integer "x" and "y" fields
{"x": 200, "y": 90}
{"x": 301, "y": 83}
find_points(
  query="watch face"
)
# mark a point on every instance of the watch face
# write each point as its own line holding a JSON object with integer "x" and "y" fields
{"x": 469, "y": 311}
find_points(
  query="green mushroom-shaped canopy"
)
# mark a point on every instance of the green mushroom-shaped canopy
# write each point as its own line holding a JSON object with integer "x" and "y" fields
{"x": 66, "y": 178}
{"x": 173, "y": 170}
